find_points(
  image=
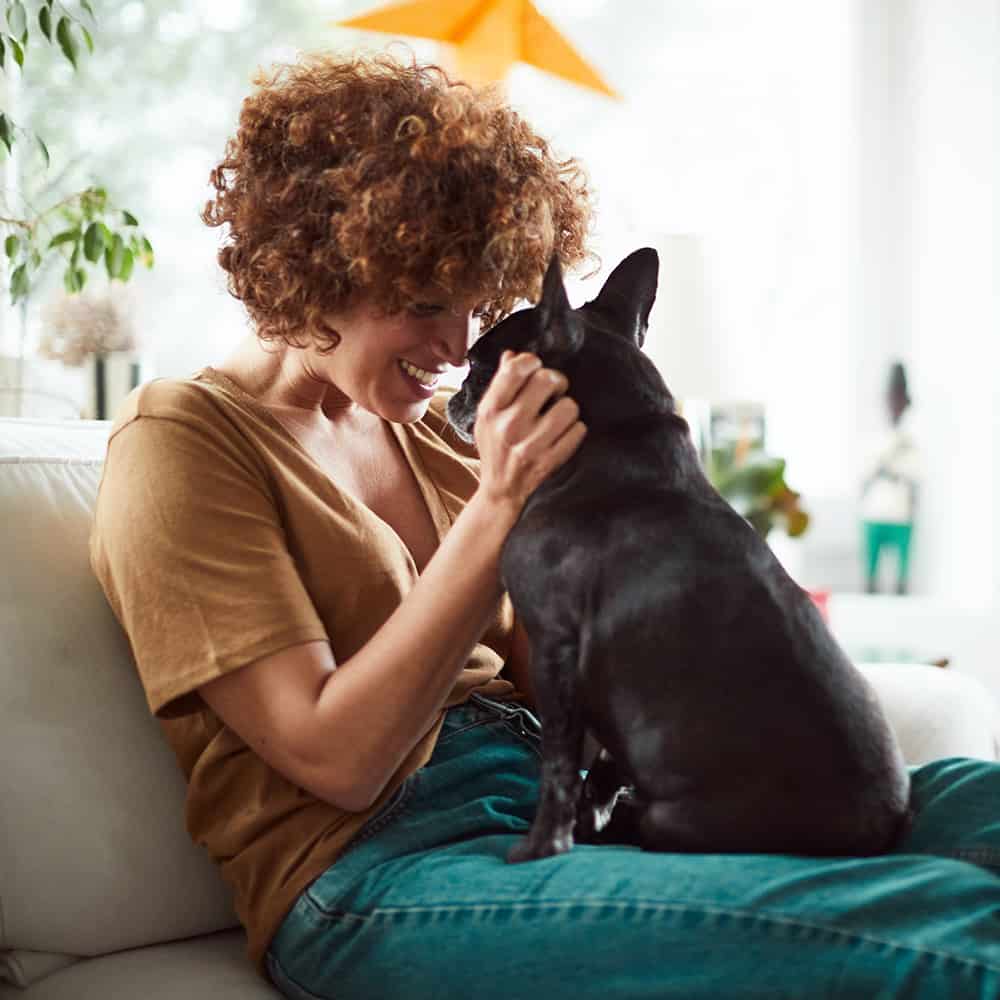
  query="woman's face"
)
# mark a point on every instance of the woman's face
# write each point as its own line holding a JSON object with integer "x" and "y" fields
{"x": 392, "y": 365}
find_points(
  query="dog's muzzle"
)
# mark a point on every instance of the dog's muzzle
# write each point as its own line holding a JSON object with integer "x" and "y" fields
{"x": 461, "y": 416}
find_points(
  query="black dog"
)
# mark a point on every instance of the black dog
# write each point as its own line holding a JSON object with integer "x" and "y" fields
{"x": 663, "y": 624}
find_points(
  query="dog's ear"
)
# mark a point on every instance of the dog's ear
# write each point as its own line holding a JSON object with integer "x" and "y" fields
{"x": 562, "y": 331}
{"x": 630, "y": 291}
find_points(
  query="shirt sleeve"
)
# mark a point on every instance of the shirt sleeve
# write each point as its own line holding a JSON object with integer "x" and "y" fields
{"x": 189, "y": 547}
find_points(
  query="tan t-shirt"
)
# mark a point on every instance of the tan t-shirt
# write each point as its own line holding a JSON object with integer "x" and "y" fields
{"x": 218, "y": 541}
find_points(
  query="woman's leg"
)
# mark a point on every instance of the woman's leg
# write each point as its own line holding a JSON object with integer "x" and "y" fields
{"x": 957, "y": 805}
{"x": 430, "y": 908}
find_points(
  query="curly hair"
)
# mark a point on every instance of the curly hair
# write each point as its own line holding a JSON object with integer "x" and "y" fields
{"x": 368, "y": 175}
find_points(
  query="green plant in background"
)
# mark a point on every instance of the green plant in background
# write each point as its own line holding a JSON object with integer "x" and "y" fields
{"x": 85, "y": 229}
{"x": 754, "y": 484}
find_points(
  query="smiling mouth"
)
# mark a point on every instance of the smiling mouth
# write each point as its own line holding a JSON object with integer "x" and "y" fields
{"x": 424, "y": 377}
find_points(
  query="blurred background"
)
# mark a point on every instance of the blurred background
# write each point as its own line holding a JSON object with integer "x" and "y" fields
{"x": 818, "y": 176}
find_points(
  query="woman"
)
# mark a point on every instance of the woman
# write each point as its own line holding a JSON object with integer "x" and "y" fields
{"x": 305, "y": 561}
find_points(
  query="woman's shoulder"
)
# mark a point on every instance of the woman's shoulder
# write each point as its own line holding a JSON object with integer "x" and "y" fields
{"x": 187, "y": 416}
{"x": 201, "y": 399}
{"x": 163, "y": 397}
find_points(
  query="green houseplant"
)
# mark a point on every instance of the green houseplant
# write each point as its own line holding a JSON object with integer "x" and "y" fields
{"x": 85, "y": 229}
{"x": 754, "y": 483}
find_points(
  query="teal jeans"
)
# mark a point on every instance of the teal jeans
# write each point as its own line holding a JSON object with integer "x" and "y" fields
{"x": 423, "y": 904}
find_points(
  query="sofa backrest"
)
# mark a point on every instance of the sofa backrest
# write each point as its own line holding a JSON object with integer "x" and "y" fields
{"x": 94, "y": 856}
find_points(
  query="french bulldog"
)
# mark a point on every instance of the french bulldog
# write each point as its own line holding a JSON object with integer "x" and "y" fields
{"x": 662, "y": 624}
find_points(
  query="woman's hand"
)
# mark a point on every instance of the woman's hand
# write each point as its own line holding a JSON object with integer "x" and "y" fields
{"x": 519, "y": 446}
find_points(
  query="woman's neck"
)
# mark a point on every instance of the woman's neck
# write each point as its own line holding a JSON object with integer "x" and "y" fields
{"x": 278, "y": 377}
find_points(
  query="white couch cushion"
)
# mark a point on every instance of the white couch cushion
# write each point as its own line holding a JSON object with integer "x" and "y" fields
{"x": 94, "y": 856}
{"x": 936, "y": 712}
{"x": 206, "y": 968}
{"x": 22, "y": 968}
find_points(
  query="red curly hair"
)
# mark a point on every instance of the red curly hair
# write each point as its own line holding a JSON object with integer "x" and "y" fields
{"x": 368, "y": 175}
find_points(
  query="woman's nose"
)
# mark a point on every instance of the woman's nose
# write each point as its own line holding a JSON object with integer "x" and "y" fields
{"x": 456, "y": 336}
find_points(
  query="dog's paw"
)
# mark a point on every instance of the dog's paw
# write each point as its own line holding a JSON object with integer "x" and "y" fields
{"x": 534, "y": 849}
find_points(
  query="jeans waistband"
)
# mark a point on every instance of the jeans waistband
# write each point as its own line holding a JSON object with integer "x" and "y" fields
{"x": 509, "y": 711}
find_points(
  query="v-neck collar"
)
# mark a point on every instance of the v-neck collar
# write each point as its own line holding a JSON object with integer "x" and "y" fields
{"x": 403, "y": 433}
{"x": 407, "y": 439}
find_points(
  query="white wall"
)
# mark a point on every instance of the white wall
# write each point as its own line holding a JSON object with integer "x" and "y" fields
{"x": 952, "y": 91}
{"x": 919, "y": 267}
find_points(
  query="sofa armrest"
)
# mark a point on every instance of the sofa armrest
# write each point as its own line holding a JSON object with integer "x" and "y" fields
{"x": 936, "y": 712}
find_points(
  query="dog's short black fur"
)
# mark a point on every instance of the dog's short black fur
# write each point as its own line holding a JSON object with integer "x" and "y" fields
{"x": 663, "y": 624}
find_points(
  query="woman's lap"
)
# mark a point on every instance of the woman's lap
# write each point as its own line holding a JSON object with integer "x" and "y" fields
{"x": 426, "y": 905}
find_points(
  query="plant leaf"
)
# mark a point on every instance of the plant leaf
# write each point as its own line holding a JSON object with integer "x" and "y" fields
{"x": 93, "y": 242}
{"x": 67, "y": 42}
{"x": 87, "y": 38}
{"x": 128, "y": 262}
{"x": 45, "y": 21}
{"x": 130, "y": 219}
{"x": 10, "y": 245}
{"x": 19, "y": 283}
{"x": 15, "y": 47}
{"x": 74, "y": 279}
{"x": 114, "y": 256}
{"x": 44, "y": 149}
{"x": 67, "y": 236}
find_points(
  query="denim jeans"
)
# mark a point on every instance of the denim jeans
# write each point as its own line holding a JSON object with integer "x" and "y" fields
{"x": 424, "y": 905}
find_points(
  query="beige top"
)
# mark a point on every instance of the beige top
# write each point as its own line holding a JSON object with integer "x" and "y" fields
{"x": 218, "y": 541}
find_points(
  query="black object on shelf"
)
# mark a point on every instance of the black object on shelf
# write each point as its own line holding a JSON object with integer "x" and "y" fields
{"x": 102, "y": 405}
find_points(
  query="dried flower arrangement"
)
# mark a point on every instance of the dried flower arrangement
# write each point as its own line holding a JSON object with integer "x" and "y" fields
{"x": 77, "y": 327}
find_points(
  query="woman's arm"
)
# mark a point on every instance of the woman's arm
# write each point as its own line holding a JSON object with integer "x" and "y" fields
{"x": 342, "y": 731}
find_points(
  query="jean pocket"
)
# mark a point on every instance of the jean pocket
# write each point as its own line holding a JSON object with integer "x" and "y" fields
{"x": 391, "y": 809}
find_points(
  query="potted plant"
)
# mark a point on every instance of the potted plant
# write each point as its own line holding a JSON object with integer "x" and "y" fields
{"x": 754, "y": 484}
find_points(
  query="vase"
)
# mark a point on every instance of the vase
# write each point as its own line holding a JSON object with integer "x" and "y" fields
{"x": 110, "y": 378}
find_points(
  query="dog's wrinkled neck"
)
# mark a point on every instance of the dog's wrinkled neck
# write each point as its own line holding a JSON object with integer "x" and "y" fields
{"x": 616, "y": 386}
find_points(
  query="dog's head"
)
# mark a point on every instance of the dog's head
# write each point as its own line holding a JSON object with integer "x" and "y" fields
{"x": 598, "y": 347}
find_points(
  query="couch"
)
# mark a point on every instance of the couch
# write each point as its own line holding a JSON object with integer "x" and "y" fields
{"x": 102, "y": 894}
